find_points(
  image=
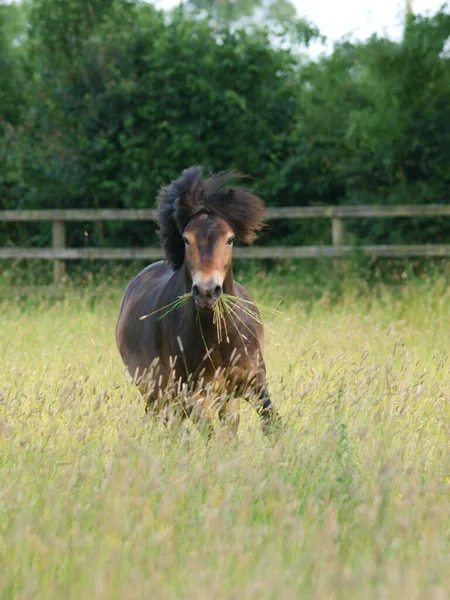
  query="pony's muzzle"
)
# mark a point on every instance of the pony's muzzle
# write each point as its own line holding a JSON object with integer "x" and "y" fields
{"x": 206, "y": 294}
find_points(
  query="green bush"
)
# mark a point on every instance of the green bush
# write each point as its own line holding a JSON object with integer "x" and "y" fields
{"x": 104, "y": 101}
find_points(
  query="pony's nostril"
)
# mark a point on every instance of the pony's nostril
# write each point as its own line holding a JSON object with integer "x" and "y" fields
{"x": 207, "y": 291}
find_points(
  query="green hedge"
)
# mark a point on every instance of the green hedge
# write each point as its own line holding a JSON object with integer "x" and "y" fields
{"x": 104, "y": 101}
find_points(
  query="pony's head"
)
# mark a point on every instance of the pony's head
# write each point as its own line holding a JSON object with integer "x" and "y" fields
{"x": 199, "y": 221}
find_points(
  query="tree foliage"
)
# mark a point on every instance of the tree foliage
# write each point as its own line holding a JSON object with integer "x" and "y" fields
{"x": 102, "y": 102}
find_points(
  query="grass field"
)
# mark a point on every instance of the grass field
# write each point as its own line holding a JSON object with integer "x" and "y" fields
{"x": 352, "y": 501}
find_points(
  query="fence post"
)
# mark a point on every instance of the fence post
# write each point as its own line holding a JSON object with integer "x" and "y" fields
{"x": 338, "y": 232}
{"x": 59, "y": 241}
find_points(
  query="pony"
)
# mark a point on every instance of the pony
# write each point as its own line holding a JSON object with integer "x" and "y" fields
{"x": 186, "y": 328}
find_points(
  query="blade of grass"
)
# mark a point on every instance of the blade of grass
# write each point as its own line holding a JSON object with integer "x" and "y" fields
{"x": 241, "y": 320}
{"x": 180, "y": 301}
{"x": 272, "y": 310}
{"x": 236, "y": 327}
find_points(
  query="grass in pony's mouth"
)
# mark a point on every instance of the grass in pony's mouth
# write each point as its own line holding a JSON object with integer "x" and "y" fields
{"x": 233, "y": 307}
{"x": 178, "y": 303}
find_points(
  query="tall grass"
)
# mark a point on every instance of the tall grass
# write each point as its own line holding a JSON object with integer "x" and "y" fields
{"x": 353, "y": 501}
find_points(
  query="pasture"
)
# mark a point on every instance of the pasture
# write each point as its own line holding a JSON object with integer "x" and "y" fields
{"x": 352, "y": 500}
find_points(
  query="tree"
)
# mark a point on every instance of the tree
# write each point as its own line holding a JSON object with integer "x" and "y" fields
{"x": 11, "y": 67}
{"x": 111, "y": 99}
{"x": 278, "y": 17}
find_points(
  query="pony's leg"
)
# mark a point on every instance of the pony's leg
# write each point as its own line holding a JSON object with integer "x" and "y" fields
{"x": 253, "y": 387}
{"x": 202, "y": 414}
{"x": 270, "y": 418}
{"x": 159, "y": 397}
{"x": 156, "y": 410}
{"x": 170, "y": 414}
{"x": 229, "y": 414}
{"x": 145, "y": 382}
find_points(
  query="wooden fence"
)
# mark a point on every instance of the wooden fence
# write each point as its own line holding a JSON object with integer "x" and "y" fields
{"x": 59, "y": 252}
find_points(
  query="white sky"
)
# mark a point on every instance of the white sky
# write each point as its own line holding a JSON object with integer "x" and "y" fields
{"x": 360, "y": 18}
{"x": 356, "y": 18}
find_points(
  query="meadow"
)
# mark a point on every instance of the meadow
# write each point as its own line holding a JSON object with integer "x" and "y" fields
{"x": 351, "y": 501}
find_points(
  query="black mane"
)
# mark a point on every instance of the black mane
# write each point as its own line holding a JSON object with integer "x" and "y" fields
{"x": 190, "y": 195}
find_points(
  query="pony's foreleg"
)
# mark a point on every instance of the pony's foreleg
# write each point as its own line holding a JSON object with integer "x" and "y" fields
{"x": 201, "y": 414}
{"x": 254, "y": 389}
{"x": 229, "y": 415}
{"x": 270, "y": 418}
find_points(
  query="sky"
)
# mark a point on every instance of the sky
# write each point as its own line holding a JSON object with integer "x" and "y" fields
{"x": 359, "y": 18}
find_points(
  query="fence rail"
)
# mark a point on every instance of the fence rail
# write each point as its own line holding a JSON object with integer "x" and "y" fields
{"x": 60, "y": 253}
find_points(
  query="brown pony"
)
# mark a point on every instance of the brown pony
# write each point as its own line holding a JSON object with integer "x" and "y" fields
{"x": 186, "y": 348}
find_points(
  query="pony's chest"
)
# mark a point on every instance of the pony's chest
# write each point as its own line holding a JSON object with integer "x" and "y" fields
{"x": 203, "y": 349}
{"x": 207, "y": 358}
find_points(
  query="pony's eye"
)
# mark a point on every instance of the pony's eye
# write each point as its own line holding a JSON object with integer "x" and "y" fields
{"x": 230, "y": 241}
{"x": 186, "y": 241}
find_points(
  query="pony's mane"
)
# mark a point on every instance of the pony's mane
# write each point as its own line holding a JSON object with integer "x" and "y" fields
{"x": 191, "y": 195}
